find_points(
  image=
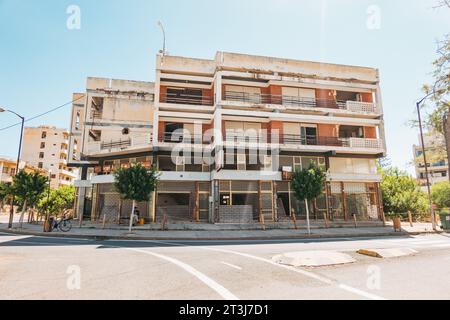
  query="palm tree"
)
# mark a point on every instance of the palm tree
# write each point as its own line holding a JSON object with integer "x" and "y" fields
{"x": 135, "y": 183}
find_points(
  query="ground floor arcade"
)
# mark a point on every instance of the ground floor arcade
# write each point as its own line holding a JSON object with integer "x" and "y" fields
{"x": 233, "y": 201}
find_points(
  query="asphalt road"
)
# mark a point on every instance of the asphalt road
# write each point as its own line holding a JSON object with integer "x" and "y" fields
{"x": 58, "y": 268}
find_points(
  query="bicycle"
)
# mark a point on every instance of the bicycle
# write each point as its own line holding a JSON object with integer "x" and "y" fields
{"x": 64, "y": 224}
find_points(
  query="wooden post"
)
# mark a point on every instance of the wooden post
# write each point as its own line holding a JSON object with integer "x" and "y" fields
{"x": 327, "y": 198}
{"x": 294, "y": 219}
{"x": 344, "y": 204}
{"x": 104, "y": 221}
{"x": 263, "y": 222}
{"x": 259, "y": 199}
{"x": 154, "y": 206}
{"x": 197, "y": 201}
{"x": 410, "y": 219}
{"x": 325, "y": 220}
{"x": 354, "y": 219}
{"x": 380, "y": 203}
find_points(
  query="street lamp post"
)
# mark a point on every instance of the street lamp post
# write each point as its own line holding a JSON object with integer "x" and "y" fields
{"x": 11, "y": 211}
{"x": 418, "y": 104}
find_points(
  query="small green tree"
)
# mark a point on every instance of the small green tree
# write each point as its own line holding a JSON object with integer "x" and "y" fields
{"x": 28, "y": 188}
{"x": 135, "y": 183}
{"x": 58, "y": 201}
{"x": 401, "y": 193}
{"x": 308, "y": 184}
{"x": 5, "y": 194}
{"x": 441, "y": 194}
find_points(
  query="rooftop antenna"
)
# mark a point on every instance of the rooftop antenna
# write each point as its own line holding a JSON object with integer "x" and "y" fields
{"x": 163, "y": 51}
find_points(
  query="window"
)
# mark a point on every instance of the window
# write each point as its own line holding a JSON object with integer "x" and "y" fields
{"x": 44, "y": 134}
{"x": 184, "y": 96}
{"x": 5, "y": 170}
{"x": 126, "y": 131}
{"x": 42, "y": 145}
{"x": 41, "y": 155}
{"x": 53, "y": 176}
{"x": 12, "y": 171}
{"x": 351, "y": 132}
{"x": 40, "y": 165}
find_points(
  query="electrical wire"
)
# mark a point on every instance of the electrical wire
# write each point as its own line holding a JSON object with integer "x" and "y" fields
{"x": 42, "y": 114}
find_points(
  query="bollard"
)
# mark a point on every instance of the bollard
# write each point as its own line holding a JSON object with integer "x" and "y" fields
{"x": 410, "y": 219}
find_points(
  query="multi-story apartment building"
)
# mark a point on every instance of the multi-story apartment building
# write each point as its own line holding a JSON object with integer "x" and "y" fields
{"x": 437, "y": 170}
{"x": 227, "y": 133}
{"x": 47, "y": 148}
{"x": 111, "y": 126}
{"x": 8, "y": 169}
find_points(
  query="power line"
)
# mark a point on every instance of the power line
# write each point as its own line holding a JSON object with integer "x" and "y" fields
{"x": 42, "y": 114}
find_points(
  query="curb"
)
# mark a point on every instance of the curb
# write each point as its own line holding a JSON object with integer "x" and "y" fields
{"x": 288, "y": 237}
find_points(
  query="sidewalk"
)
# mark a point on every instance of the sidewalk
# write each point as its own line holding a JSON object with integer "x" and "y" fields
{"x": 216, "y": 232}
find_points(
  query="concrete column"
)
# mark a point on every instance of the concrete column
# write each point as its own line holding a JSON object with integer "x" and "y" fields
{"x": 79, "y": 209}
{"x": 379, "y": 102}
{"x": 218, "y": 88}
{"x": 156, "y": 105}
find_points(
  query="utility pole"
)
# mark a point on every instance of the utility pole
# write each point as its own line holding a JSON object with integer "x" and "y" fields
{"x": 433, "y": 220}
{"x": 11, "y": 211}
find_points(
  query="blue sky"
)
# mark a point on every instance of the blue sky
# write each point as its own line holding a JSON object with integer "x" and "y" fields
{"x": 42, "y": 62}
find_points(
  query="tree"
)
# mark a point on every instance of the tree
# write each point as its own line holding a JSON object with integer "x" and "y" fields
{"x": 441, "y": 194}
{"x": 135, "y": 183}
{"x": 401, "y": 193}
{"x": 5, "y": 193}
{"x": 28, "y": 188}
{"x": 438, "y": 119}
{"x": 58, "y": 201}
{"x": 308, "y": 184}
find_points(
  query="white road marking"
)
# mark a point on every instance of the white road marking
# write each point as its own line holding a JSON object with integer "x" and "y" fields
{"x": 231, "y": 265}
{"x": 222, "y": 291}
{"x": 360, "y": 292}
{"x": 297, "y": 270}
{"x": 445, "y": 245}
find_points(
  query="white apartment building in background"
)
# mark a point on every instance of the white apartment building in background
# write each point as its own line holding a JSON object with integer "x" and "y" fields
{"x": 437, "y": 170}
{"x": 46, "y": 147}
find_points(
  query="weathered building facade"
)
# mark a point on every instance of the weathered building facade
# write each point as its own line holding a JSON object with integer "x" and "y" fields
{"x": 47, "y": 148}
{"x": 226, "y": 135}
{"x": 437, "y": 168}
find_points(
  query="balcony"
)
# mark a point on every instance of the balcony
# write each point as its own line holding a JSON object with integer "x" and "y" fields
{"x": 375, "y": 145}
{"x": 117, "y": 146}
{"x": 365, "y": 108}
{"x": 186, "y": 99}
{"x": 170, "y": 137}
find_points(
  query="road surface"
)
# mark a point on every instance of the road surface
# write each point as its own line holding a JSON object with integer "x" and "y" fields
{"x": 60, "y": 268}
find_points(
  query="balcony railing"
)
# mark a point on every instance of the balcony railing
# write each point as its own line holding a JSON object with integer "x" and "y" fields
{"x": 364, "y": 143}
{"x": 170, "y": 137}
{"x": 96, "y": 114}
{"x": 138, "y": 141}
{"x": 186, "y": 99}
{"x": 292, "y": 101}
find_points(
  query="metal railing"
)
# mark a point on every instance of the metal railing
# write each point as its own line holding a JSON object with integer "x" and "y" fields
{"x": 171, "y": 137}
{"x": 186, "y": 99}
{"x": 311, "y": 140}
{"x": 119, "y": 144}
{"x": 293, "y": 101}
{"x": 96, "y": 114}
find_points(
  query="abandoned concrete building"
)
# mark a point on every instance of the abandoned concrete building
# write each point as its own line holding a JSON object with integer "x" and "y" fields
{"x": 220, "y": 113}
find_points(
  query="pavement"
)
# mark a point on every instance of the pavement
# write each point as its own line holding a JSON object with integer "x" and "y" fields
{"x": 217, "y": 232}
{"x": 33, "y": 267}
